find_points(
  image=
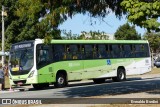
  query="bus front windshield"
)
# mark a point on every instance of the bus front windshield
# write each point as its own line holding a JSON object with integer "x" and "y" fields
{"x": 21, "y": 60}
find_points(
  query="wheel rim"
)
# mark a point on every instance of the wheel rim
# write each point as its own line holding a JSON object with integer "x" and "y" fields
{"x": 61, "y": 80}
{"x": 121, "y": 75}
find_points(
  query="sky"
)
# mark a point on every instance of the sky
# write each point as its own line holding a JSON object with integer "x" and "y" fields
{"x": 79, "y": 23}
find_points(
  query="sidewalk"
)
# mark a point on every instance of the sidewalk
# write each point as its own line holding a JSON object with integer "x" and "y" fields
{"x": 145, "y": 76}
{"x": 8, "y": 91}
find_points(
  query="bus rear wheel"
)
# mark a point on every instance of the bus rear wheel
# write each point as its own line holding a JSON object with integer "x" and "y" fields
{"x": 61, "y": 80}
{"x": 121, "y": 75}
{"x": 98, "y": 81}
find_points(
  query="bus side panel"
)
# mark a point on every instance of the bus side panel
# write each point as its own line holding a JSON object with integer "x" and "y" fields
{"x": 74, "y": 69}
{"x": 146, "y": 65}
{"x": 46, "y": 74}
{"x": 139, "y": 65}
{"x": 112, "y": 66}
{"x": 95, "y": 68}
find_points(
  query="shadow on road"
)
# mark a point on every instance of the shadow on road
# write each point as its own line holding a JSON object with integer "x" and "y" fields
{"x": 83, "y": 84}
{"x": 117, "y": 88}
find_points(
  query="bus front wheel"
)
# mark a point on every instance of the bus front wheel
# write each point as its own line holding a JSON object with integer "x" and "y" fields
{"x": 60, "y": 80}
{"x": 121, "y": 75}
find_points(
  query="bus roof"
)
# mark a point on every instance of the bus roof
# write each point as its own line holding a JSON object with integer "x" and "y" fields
{"x": 87, "y": 41}
{"x": 99, "y": 41}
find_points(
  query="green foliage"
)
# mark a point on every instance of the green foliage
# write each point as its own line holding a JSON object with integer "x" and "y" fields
{"x": 69, "y": 35}
{"x": 154, "y": 41}
{"x": 30, "y": 19}
{"x": 127, "y": 32}
{"x": 29, "y": 25}
{"x": 143, "y": 13}
{"x": 93, "y": 35}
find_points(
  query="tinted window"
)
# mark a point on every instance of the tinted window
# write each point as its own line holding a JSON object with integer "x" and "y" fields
{"x": 139, "y": 50}
{"x": 73, "y": 52}
{"x": 115, "y": 51}
{"x": 146, "y": 50}
{"x": 102, "y": 51}
{"x": 128, "y": 51}
{"x": 88, "y": 51}
{"x": 58, "y": 52}
{"x": 43, "y": 55}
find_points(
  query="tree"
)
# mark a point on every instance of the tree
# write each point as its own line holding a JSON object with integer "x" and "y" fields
{"x": 94, "y": 35}
{"x": 154, "y": 41}
{"x": 69, "y": 35}
{"x": 30, "y": 19}
{"x": 55, "y": 12}
{"x": 25, "y": 28}
{"x": 143, "y": 13}
{"x": 127, "y": 32}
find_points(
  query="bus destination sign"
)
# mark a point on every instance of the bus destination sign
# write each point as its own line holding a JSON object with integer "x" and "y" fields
{"x": 21, "y": 46}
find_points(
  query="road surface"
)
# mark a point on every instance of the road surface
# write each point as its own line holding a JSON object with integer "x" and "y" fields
{"x": 89, "y": 89}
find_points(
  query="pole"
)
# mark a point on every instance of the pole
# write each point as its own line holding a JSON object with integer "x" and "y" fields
{"x": 2, "y": 35}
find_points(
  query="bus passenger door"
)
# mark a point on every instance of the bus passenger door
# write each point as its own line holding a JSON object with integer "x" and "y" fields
{"x": 44, "y": 60}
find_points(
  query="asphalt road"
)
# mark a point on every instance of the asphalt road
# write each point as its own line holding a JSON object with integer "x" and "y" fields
{"x": 89, "y": 89}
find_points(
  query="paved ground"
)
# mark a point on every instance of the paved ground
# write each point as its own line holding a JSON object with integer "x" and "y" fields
{"x": 148, "y": 94}
{"x": 144, "y": 76}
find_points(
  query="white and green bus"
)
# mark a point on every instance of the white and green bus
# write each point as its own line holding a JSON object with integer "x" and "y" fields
{"x": 62, "y": 61}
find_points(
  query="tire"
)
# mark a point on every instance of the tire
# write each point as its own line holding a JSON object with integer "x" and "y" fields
{"x": 61, "y": 80}
{"x": 98, "y": 81}
{"x": 121, "y": 75}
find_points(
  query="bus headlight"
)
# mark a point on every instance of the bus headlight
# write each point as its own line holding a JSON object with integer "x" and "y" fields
{"x": 31, "y": 74}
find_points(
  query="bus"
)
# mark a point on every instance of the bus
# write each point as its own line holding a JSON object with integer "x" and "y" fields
{"x": 62, "y": 61}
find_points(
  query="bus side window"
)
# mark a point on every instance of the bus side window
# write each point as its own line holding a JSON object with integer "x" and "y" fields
{"x": 115, "y": 51}
{"x": 58, "y": 52}
{"x": 102, "y": 51}
{"x": 133, "y": 51}
{"x": 43, "y": 57}
{"x": 146, "y": 50}
{"x": 68, "y": 52}
{"x": 110, "y": 52}
{"x": 127, "y": 51}
{"x": 95, "y": 51}
{"x": 74, "y": 51}
{"x": 121, "y": 49}
{"x": 138, "y": 50}
{"x": 82, "y": 53}
{"x": 88, "y": 51}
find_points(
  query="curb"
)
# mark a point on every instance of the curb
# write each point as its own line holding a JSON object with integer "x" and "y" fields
{"x": 8, "y": 91}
